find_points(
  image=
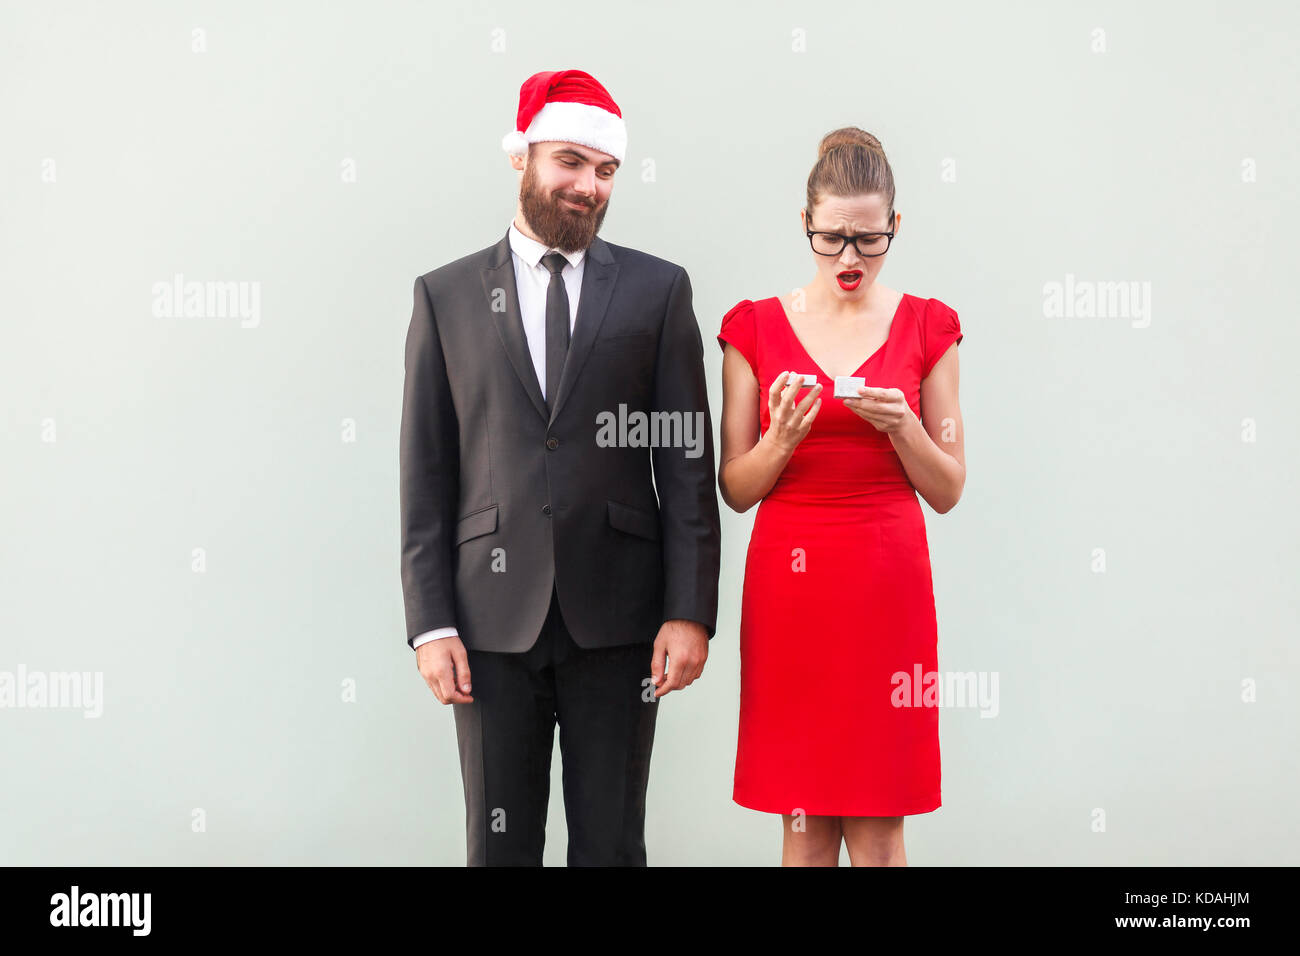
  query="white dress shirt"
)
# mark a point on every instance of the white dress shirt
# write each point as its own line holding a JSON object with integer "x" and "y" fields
{"x": 532, "y": 279}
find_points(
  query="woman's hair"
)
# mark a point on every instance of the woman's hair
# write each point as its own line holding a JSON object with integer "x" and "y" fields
{"x": 850, "y": 162}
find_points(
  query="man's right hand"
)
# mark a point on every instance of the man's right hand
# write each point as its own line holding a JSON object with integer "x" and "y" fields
{"x": 444, "y": 665}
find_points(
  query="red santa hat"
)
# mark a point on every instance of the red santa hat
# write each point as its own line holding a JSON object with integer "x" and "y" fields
{"x": 567, "y": 105}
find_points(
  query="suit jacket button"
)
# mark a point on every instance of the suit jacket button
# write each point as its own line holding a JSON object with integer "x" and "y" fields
{"x": 552, "y": 443}
{"x": 546, "y": 509}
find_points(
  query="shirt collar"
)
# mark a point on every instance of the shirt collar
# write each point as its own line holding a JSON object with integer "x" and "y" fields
{"x": 531, "y": 251}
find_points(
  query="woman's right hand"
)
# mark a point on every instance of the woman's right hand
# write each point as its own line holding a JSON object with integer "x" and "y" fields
{"x": 790, "y": 421}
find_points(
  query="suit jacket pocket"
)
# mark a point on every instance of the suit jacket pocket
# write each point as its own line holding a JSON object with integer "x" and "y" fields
{"x": 476, "y": 523}
{"x": 633, "y": 520}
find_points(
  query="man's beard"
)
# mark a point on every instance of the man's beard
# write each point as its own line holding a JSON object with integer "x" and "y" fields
{"x": 557, "y": 224}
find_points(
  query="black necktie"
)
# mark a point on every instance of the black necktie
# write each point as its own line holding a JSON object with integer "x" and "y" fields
{"x": 557, "y": 325}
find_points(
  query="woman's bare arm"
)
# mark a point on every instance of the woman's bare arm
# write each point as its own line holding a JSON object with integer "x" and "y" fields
{"x": 933, "y": 450}
{"x": 750, "y": 465}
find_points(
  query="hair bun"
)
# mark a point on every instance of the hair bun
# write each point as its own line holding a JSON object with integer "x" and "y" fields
{"x": 850, "y": 162}
{"x": 848, "y": 136}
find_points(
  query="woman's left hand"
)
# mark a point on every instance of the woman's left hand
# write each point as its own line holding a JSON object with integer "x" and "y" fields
{"x": 886, "y": 408}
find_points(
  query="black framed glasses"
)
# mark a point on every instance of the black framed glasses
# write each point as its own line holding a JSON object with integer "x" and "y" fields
{"x": 868, "y": 244}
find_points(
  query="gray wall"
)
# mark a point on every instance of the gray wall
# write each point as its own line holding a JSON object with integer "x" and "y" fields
{"x": 1123, "y": 558}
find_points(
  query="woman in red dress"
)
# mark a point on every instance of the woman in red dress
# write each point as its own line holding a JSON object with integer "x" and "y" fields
{"x": 838, "y": 617}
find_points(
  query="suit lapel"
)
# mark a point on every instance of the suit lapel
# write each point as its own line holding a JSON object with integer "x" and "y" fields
{"x": 499, "y": 284}
{"x": 598, "y": 275}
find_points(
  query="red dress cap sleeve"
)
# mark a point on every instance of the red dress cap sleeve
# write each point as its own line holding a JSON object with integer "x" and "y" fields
{"x": 942, "y": 329}
{"x": 738, "y": 328}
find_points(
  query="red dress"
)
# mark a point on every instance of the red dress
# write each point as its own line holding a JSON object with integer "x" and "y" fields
{"x": 838, "y": 599}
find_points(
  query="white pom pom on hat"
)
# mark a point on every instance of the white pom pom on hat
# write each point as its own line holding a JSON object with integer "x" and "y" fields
{"x": 514, "y": 143}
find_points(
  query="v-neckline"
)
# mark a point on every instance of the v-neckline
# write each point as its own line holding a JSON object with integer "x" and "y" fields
{"x": 808, "y": 355}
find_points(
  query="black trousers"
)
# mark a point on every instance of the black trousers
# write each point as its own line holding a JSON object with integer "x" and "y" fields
{"x": 598, "y": 698}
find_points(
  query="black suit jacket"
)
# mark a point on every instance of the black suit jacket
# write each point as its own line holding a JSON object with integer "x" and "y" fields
{"x": 501, "y": 499}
